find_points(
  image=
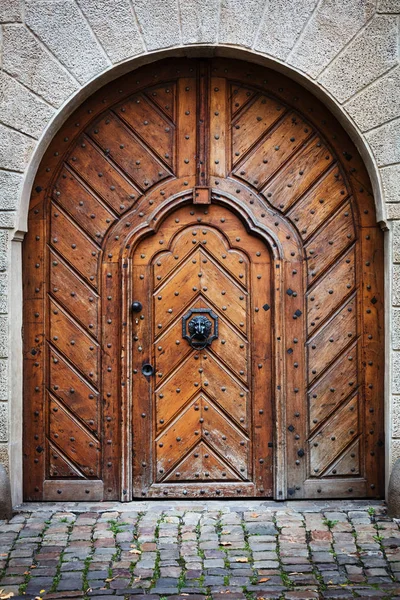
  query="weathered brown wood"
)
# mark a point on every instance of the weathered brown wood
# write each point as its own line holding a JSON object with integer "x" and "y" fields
{"x": 150, "y": 125}
{"x": 203, "y": 124}
{"x": 319, "y": 203}
{"x": 329, "y": 242}
{"x": 67, "y": 239}
{"x": 298, "y": 175}
{"x": 201, "y": 195}
{"x": 85, "y": 491}
{"x": 220, "y": 126}
{"x": 273, "y": 150}
{"x": 331, "y": 339}
{"x": 328, "y": 291}
{"x": 186, "y": 143}
{"x": 102, "y": 177}
{"x": 80, "y": 446}
{"x": 71, "y": 292}
{"x": 371, "y": 365}
{"x": 85, "y": 208}
{"x": 76, "y": 394}
{"x": 113, "y": 383}
{"x": 127, "y": 150}
{"x": 34, "y": 361}
{"x": 288, "y": 255}
{"x": 202, "y": 405}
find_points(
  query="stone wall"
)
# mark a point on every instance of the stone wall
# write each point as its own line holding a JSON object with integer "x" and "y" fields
{"x": 56, "y": 52}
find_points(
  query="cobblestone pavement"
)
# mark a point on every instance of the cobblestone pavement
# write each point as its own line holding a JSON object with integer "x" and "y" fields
{"x": 150, "y": 550}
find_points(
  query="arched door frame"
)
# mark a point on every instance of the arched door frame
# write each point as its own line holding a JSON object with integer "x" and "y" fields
{"x": 288, "y": 271}
{"x": 54, "y": 126}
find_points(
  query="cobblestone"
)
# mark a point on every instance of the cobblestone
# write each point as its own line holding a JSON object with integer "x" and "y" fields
{"x": 252, "y": 550}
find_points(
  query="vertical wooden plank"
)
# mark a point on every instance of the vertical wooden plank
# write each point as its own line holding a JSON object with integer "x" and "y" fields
{"x": 294, "y": 380}
{"x": 203, "y": 123}
{"x": 219, "y": 129}
{"x": 186, "y": 127}
{"x": 261, "y": 314}
{"x": 143, "y": 414}
{"x": 372, "y": 339}
{"x": 34, "y": 442}
{"x": 111, "y": 379}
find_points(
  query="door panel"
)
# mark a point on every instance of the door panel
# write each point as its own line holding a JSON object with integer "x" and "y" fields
{"x": 203, "y": 400}
{"x": 220, "y": 190}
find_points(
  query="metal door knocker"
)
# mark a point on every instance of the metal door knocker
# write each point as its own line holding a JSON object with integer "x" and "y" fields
{"x": 198, "y": 329}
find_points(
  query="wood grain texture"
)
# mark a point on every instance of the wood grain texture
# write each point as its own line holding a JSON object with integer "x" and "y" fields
{"x": 204, "y": 402}
{"x": 287, "y": 401}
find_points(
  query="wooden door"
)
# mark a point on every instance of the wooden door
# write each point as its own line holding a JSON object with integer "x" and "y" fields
{"x": 203, "y": 295}
{"x": 210, "y": 395}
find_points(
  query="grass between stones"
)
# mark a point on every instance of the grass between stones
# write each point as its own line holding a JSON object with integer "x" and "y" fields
{"x": 87, "y": 562}
{"x": 157, "y": 568}
{"x": 181, "y": 560}
{"x": 28, "y": 576}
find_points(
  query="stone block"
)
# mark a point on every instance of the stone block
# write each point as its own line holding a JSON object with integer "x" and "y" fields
{"x": 367, "y": 57}
{"x": 15, "y": 149}
{"x": 3, "y": 305}
{"x": 396, "y": 417}
{"x": 10, "y": 184}
{"x": 396, "y": 329}
{"x": 3, "y": 379}
{"x": 395, "y": 450}
{"x": 199, "y": 21}
{"x": 3, "y": 421}
{"x": 396, "y": 372}
{"x": 21, "y": 109}
{"x": 5, "y": 495}
{"x": 390, "y": 177}
{"x": 159, "y": 22}
{"x": 378, "y": 103}
{"x": 114, "y": 24}
{"x": 63, "y": 28}
{"x": 389, "y": 6}
{"x": 3, "y": 336}
{"x": 26, "y": 60}
{"x": 331, "y": 27}
{"x": 8, "y": 219}
{"x": 10, "y": 11}
{"x": 239, "y": 21}
{"x": 282, "y": 25}
{"x": 392, "y": 212}
{"x": 384, "y": 142}
{"x": 4, "y": 457}
{"x": 3, "y": 284}
{"x": 396, "y": 242}
{"x": 396, "y": 285}
{"x": 393, "y": 501}
{"x": 4, "y": 250}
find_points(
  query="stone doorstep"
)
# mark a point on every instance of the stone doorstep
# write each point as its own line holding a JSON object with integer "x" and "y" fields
{"x": 278, "y": 508}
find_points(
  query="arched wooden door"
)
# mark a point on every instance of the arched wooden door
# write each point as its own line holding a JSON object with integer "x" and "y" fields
{"x": 204, "y": 280}
{"x": 203, "y": 295}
